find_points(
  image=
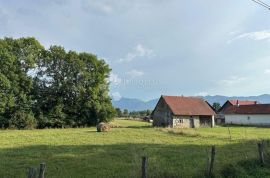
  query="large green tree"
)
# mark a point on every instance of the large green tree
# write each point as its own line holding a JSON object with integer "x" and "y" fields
{"x": 51, "y": 88}
{"x": 17, "y": 59}
{"x": 72, "y": 89}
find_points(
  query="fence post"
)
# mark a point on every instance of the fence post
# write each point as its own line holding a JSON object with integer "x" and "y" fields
{"x": 261, "y": 155}
{"x": 210, "y": 167}
{"x": 144, "y": 167}
{"x": 31, "y": 172}
{"x": 230, "y": 133}
{"x": 42, "y": 170}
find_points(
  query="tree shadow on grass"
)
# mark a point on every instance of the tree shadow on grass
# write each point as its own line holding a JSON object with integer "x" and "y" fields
{"x": 124, "y": 160}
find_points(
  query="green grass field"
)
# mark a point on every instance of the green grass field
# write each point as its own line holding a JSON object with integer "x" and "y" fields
{"x": 83, "y": 152}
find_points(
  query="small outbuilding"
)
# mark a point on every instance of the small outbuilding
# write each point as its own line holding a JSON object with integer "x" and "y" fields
{"x": 183, "y": 112}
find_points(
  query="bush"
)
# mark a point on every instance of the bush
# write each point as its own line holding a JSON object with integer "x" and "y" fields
{"x": 22, "y": 120}
{"x": 57, "y": 123}
{"x": 42, "y": 121}
{"x": 3, "y": 122}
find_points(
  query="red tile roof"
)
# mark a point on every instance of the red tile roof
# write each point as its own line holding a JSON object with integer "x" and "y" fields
{"x": 235, "y": 102}
{"x": 248, "y": 109}
{"x": 194, "y": 106}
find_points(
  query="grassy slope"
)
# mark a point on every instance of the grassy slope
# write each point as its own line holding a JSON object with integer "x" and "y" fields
{"x": 172, "y": 153}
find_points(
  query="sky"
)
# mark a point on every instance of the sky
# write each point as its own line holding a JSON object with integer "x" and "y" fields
{"x": 156, "y": 47}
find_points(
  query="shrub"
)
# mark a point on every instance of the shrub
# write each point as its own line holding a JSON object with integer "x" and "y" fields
{"x": 42, "y": 121}
{"x": 22, "y": 120}
{"x": 3, "y": 122}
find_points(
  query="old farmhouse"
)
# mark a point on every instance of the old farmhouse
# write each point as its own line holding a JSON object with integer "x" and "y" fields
{"x": 235, "y": 103}
{"x": 220, "y": 117}
{"x": 183, "y": 112}
{"x": 254, "y": 114}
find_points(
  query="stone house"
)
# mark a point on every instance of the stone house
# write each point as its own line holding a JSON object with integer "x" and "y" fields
{"x": 183, "y": 112}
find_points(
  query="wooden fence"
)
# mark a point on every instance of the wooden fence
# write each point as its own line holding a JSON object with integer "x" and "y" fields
{"x": 210, "y": 161}
{"x": 37, "y": 173}
{"x": 40, "y": 173}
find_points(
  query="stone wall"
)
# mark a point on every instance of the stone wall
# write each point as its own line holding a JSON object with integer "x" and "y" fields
{"x": 162, "y": 115}
{"x": 185, "y": 121}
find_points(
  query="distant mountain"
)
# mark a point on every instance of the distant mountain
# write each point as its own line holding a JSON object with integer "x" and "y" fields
{"x": 138, "y": 105}
{"x": 222, "y": 99}
{"x": 134, "y": 104}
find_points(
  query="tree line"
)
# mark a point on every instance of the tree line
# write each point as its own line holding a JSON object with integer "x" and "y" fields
{"x": 140, "y": 114}
{"x": 133, "y": 114}
{"x": 51, "y": 87}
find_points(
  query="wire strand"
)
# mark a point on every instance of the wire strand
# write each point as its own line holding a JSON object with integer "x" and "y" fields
{"x": 262, "y": 4}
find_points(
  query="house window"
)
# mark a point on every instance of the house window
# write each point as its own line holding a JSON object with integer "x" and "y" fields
{"x": 179, "y": 121}
{"x": 248, "y": 118}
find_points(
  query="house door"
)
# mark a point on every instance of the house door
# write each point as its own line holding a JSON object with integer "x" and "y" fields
{"x": 191, "y": 122}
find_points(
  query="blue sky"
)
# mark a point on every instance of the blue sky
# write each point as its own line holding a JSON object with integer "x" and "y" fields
{"x": 154, "y": 47}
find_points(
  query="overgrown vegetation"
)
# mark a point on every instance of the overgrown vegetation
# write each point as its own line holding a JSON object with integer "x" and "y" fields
{"x": 118, "y": 153}
{"x": 51, "y": 87}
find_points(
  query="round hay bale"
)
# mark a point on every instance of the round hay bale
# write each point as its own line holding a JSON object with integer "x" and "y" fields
{"x": 103, "y": 127}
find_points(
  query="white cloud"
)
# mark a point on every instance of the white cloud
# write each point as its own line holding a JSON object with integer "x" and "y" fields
{"x": 202, "y": 94}
{"x": 116, "y": 96}
{"x": 143, "y": 51}
{"x": 135, "y": 73}
{"x": 267, "y": 71}
{"x": 232, "y": 81}
{"x": 97, "y": 6}
{"x": 256, "y": 36}
{"x": 114, "y": 79}
{"x": 139, "y": 51}
{"x": 233, "y": 33}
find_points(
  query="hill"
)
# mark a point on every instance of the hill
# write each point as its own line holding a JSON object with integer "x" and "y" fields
{"x": 138, "y": 105}
{"x": 134, "y": 104}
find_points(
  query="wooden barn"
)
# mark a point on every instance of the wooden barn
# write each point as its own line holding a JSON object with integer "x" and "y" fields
{"x": 183, "y": 112}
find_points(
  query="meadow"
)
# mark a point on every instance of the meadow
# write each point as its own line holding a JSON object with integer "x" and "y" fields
{"x": 83, "y": 152}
